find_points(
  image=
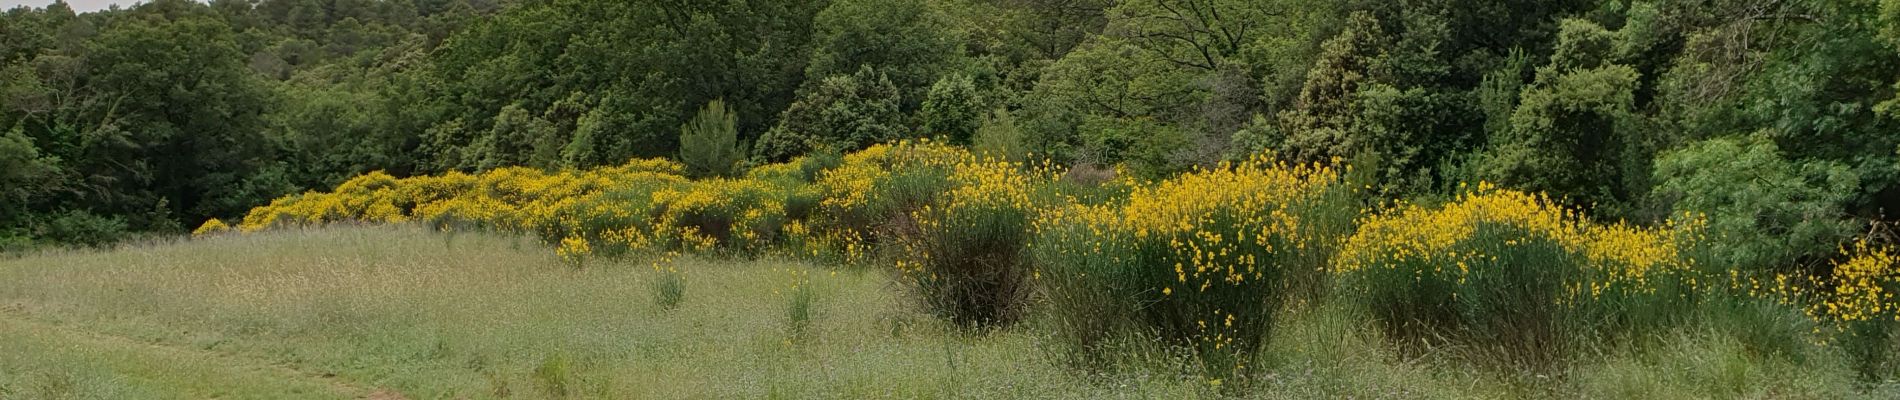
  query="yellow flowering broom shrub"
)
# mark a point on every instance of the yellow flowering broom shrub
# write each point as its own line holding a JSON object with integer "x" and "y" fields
{"x": 1203, "y": 260}
{"x": 738, "y": 214}
{"x": 1510, "y": 269}
{"x": 871, "y": 191}
{"x": 557, "y": 206}
{"x": 1856, "y": 302}
{"x": 965, "y": 254}
{"x": 212, "y": 227}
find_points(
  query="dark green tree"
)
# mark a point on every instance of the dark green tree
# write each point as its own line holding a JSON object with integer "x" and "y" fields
{"x": 709, "y": 143}
{"x": 842, "y": 113}
{"x": 954, "y": 109}
{"x": 911, "y": 42}
{"x": 1573, "y": 125}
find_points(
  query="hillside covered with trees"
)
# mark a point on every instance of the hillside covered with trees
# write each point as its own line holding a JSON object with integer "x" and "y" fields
{"x": 1776, "y": 118}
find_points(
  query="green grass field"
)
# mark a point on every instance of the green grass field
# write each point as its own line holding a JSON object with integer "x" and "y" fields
{"x": 403, "y": 312}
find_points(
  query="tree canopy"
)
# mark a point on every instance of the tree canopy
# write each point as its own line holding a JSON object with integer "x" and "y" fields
{"x": 1779, "y": 119}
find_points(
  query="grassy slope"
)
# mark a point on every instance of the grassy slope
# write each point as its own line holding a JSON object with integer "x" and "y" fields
{"x": 371, "y": 312}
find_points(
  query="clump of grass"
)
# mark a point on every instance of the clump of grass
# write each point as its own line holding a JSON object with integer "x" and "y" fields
{"x": 1704, "y": 363}
{"x": 669, "y": 288}
{"x": 554, "y": 375}
{"x": 799, "y": 300}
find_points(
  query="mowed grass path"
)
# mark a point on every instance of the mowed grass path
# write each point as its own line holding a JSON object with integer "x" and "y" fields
{"x": 404, "y": 312}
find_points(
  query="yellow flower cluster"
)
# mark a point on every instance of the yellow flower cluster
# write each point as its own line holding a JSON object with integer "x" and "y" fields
{"x": 1439, "y": 239}
{"x": 1424, "y": 233}
{"x": 988, "y": 200}
{"x": 576, "y": 210}
{"x": 1634, "y": 255}
{"x": 1863, "y": 286}
{"x": 1215, "y": 223}
{"x": 213, "y": 227}
{"x": 514, "y": 199}
{"x": 870, "y": 188}
{"x": 574, "y": 249}
{"x": 868, "y": 174}
{"x": 979, "y": 185}
{"x": 743, "y": 213}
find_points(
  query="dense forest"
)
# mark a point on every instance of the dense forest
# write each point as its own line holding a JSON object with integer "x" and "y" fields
{"x": 1775, "y": 118}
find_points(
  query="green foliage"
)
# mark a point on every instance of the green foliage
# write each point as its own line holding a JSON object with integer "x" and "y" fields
{"x": 709, "y": 144}
{"x": 1378, "y": 91}
{"x": 516, "y": 138}
{"x": 999, "y": 137}
{"x": 79, "y": 227}
{"x": 1103, "y": 84}
{"x": 1815, "y": 87}
{"x": 618, "y": 77}
{"x": 1764, "y": 209}
{"x": 1572, "y": 126}
{"x": 1318, "y": 126}
{"x": 1584, "y": 45}
{"x": 953, "y": 109}
{"x": 842, "y": 113}
{"x": 1148, "y": 147}
{"x": 22, "y": 169}
{"x": 912, "y": 43}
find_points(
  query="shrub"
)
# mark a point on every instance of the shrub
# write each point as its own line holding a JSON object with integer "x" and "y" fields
{"x": 574, "y": 250}
{"x": 622, "y": 220}
{"x": 80, "y": 227}
{"x": 597, "y": 204}
{"x": 966, "y": 255}
{"x": 872, "y": 191}
{"x": 1512, "y": 272}
{"x": 743, "y": 215}
{"x": 1766, "y": 210}
{"x": 1857, "y": 300}
{"x": 211, "y": 227}
{"x": 845, "y": 112}
{"x": 1203, "y": 260}
{"x": 953, "y": 108}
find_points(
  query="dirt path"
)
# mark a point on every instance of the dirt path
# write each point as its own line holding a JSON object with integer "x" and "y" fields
{"x": 336, "y": 383}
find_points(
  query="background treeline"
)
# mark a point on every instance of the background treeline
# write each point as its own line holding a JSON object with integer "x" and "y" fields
{"x": 1776, "y": 118}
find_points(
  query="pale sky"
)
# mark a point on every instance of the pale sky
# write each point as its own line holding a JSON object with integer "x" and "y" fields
{"x": 78, "y": 5}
